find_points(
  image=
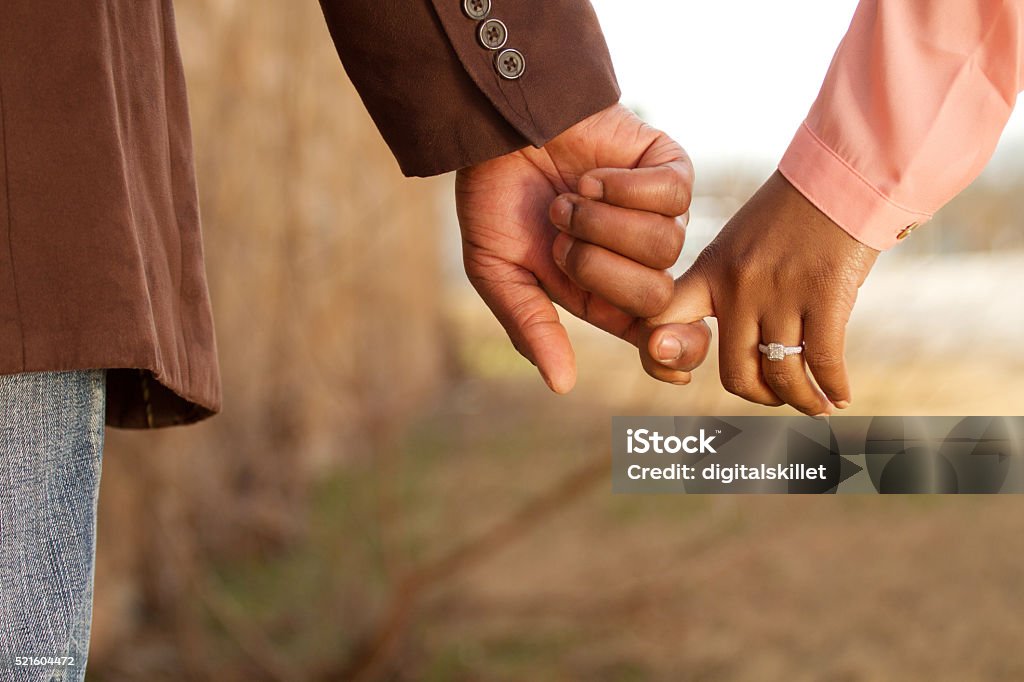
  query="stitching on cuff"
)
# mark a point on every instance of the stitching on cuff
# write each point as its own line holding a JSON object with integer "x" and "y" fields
{"x": 858, "y": 175}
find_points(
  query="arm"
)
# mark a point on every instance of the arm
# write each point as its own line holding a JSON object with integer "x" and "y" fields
{"x": 437, "y": 94}
{"x": 521, "y": 137}
{"x": 910, "y": 112}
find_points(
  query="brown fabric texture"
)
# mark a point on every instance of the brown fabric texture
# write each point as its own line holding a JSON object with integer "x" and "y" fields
{"x": 101, "y": 260}
{"x": 434, "y": 93}
{"x": 101, "y": 256}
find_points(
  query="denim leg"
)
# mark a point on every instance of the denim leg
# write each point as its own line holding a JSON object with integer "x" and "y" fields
{"x": 51, "y": 449}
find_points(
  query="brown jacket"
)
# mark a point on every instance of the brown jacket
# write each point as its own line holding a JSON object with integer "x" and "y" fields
{"x": 101, "y": 256}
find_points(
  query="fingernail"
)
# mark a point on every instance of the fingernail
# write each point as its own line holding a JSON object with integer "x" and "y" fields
{"x": 560, "y": 385}
{"x": 842, "y": 404}
{"x": 823, "y": 415}
{"x": 669, "y": 349}
{"x": 591, "y": 187}
{"x": 563, "y": 245}
{"x": 561, "y": 212}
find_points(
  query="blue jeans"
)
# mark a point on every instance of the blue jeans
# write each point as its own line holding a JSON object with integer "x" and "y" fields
{"x": 51, "y": 449}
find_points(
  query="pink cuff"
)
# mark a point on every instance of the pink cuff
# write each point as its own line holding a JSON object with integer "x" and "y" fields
{"x": 844, "y": 195}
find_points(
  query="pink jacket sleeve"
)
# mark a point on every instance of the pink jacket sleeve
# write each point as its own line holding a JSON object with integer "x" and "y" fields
{"x": 910, "y": 112}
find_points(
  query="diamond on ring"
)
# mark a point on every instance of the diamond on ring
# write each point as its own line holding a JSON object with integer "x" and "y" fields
{"x": 776, "y": 352}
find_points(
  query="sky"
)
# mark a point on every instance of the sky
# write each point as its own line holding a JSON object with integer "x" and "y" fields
{"x": 731, "y": 80}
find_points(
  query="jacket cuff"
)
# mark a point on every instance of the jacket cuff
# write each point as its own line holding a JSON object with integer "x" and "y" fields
{"x": 561, "y": 71}
{"x": 848, "y": 198}
{"x": 434, "y": 87}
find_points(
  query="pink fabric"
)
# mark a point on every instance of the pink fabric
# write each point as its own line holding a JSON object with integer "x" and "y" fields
{"x": 909, "y": 113}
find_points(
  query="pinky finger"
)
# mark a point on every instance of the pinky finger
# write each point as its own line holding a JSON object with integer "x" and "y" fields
{"x": 688, "y": 352}
{"x": 825, "y": 354}
{"x": 662, "y": 373}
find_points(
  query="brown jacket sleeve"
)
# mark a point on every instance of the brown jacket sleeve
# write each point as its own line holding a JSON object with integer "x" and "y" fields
{"x": 435, "y": 90}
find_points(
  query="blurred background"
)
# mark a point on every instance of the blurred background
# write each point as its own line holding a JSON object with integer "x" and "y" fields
{"x": 391, "y": 492}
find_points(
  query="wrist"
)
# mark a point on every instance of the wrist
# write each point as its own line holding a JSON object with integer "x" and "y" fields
{"x": 815, "y": 225}
{"x": 843, "y": 194}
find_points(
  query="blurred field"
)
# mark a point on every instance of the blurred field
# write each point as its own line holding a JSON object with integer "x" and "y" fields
{"x": 392, "y": 494}
{"x": 657, "y": 588}
{"x": 738, "y": 588}
{"x": 602, "y": 587}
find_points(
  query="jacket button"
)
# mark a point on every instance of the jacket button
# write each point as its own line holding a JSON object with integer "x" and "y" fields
{"x": 476, "y": 9}
{"x": 493, "y": 34}
{"x": 510, "y": 64}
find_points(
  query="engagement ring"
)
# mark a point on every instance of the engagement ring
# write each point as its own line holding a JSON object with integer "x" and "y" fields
{"x": 777, "y": 352}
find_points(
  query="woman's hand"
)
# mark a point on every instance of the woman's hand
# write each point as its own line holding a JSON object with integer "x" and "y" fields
{"x": 780, "y": 272}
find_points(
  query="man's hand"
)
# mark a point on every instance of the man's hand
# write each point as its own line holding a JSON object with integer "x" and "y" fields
{"x": 781, "y": 271}
{"x": 610, "y": 178}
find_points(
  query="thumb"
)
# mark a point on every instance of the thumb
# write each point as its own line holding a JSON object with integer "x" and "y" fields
{"x": 677, "y": 341}
{"x": 532, "y": 324}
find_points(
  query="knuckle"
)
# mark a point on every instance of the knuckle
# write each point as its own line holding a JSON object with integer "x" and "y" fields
{"x": 526, "y": 314}
{"x": 782, "y": 379}
{"x": 655, "y": 298}
{"x": 580, "y": 260}
{"x": 680, "y": 198}
{"x": 738, "y": 383}
{"x": 823, "y": 359}
{"x": 666, "y": 243}
{"x": 687, "y": 171}
{"x": 741, "y": 272}
{"x": 675, "y": 189}
{"x": 669, "y": 198}
{"x": 676, "y": 235}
